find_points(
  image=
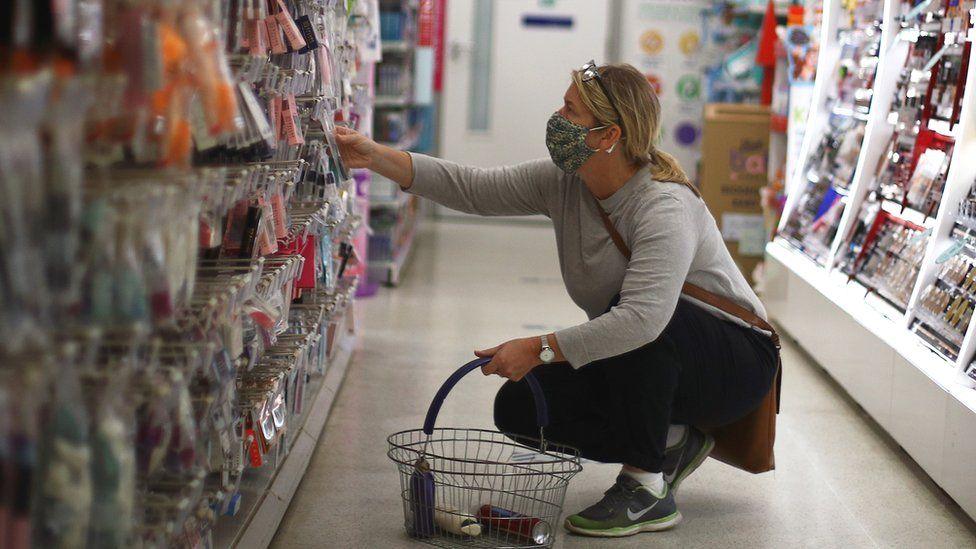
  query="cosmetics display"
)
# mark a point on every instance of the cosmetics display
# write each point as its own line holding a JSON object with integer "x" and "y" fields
{"x": 888, "y": 310}
{"x": 393, "y": 80}
{"x": 946, "y": 304}
{"x": 829, "y": 170}
{"x": 175, "y": 282}
{"x": 395, "y": 73}
{"x": 909, "y": 177}
{"x": 395, "y": 25}
{"x": 891, "y": 169}
{"x": 926, "y": 106}
{"x": 890, "y": 259}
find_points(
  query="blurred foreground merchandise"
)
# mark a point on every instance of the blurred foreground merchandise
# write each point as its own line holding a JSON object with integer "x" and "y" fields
{"x": 175, "y": 224}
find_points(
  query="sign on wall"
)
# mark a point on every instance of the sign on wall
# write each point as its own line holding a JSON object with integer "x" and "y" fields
{"x": 662, "y": 38}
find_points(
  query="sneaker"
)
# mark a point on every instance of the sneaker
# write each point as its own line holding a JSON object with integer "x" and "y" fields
{"x": 626, "y": 509}
{"x": 682, "y": 460}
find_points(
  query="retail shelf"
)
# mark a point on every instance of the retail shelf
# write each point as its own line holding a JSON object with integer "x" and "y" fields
{"x": 916, "y": 395}
{"x": 919, "y": 396}
{"x": 907, "y": 213}
{"x": 384, "y": 101}
{"x": 391, "y": 203}
{"x": 965, "y": 394}
{"x": 882, "y": 320}
{"x": 389, "y": 271}
{"x": 268, "y": 491}
{"x": 822, "y": 109}
{"x": 779, "y": 8}
{"x": 849, "y": 113}
{"x": 397, "y": 46}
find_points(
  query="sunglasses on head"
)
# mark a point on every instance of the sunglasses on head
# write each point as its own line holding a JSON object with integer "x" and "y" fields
{"x": 589, "y": 72}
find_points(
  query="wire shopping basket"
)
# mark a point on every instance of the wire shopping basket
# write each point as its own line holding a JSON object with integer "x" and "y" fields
{"x": 481, "y": 488}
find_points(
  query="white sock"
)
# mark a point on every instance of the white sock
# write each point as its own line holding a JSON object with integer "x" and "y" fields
{"x": 676, "y": 433}
{"x": 652, "y": 481}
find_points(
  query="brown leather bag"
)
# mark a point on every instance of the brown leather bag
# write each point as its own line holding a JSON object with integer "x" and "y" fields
{"x": 746, "y": 443}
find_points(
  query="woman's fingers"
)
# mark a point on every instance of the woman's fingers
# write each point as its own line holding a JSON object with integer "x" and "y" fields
{"x": 498, "y": 366}
{"x": 345, "y": 138}
{"x": 487, "y": 352}
{"x": 495, "y": 365}
{"x": 349, "y": 141}
{"x": 490, "y": 368}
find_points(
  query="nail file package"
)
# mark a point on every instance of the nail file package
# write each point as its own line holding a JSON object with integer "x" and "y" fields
{"x": 173, "y": 212}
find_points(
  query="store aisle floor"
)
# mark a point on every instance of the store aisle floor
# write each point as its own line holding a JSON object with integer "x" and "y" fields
{"x": 841, "y": 481}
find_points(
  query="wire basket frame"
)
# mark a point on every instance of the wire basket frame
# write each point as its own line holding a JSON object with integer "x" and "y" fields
{"x": 478, "y": 487}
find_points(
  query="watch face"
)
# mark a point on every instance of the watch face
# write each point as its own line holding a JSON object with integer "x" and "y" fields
{"x": 547, "y": 355}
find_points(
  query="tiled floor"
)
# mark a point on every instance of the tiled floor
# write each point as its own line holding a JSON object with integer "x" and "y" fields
{"x": 840, "y": 482}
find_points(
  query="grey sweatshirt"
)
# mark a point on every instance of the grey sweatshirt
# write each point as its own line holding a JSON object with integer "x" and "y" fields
{"x": 672, "y": 236}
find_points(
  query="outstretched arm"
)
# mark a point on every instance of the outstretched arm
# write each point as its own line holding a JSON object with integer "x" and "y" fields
{"x": 523, "y": 189}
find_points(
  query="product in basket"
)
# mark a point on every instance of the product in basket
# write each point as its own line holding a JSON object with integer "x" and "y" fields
{"x": 510, "y": 522}
{"x": 457, "y": 522}
{"x": 422, "y": 499}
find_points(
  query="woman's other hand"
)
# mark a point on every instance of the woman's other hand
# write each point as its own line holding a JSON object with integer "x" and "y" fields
{"x": 512, "y": 359}
{"x": 356, "y": 149}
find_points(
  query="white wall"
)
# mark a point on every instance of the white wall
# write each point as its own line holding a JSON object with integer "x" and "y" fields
{"x": 530, "y": 68}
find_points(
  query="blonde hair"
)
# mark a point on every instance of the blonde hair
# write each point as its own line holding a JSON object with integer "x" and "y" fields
{"x": 639, "y": 119}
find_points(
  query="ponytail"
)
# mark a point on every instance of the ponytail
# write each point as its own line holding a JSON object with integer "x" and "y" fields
{"x": 665, "y": 168}
{"x": 638, "y": 113}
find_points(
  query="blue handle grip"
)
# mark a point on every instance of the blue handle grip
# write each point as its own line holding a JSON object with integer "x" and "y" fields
{"x": 541, "y": 410}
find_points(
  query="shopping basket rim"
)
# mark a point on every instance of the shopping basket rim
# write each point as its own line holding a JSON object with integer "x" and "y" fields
{"x": 566, "y": 459}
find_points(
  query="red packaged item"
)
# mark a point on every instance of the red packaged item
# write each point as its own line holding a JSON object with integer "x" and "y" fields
{"x": 528, "y": 528}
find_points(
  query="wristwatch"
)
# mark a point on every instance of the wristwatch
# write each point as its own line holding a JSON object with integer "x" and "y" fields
{"x": 547, "y": 355}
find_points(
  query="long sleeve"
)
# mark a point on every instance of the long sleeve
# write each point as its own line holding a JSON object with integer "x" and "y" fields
{"x": 512, "y": 190}
{"x": 663, "y": 246}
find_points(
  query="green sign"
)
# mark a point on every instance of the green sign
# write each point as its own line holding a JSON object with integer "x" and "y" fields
{"x": 689, "y": 87}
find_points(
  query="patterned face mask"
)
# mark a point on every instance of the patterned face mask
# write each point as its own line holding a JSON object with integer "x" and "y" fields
{"x": 566, "y": 141}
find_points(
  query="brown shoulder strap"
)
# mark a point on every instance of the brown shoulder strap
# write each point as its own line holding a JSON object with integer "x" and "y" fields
{"x": 618, "y": 240}
{"x": 696, "y": 292}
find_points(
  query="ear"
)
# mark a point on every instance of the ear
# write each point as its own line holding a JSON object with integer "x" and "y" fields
{"x": 611, "y": 137}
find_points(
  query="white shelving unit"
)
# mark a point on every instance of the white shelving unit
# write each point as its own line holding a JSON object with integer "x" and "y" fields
{"x": 923, "y": 400}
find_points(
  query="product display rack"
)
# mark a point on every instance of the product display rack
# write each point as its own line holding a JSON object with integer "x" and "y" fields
{"x": 394, "y": 222}
{"x": 267, "y": 492}
{"x": 836, "y": 127}
{"x": 178, "y": 281}
{"x": 403, "y": 122}
{"x": 887, "y": 309}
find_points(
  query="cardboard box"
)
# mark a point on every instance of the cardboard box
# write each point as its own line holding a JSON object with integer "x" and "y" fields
{"x": 735, "y": 148}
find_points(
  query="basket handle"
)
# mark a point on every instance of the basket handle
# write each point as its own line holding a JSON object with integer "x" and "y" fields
{"x": 541, "y": 410}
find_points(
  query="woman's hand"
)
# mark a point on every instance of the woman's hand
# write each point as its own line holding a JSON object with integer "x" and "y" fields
{"x": 359, "y": 151}
{"x": 356, "y": 149}
{"x": 512, "y": 359}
